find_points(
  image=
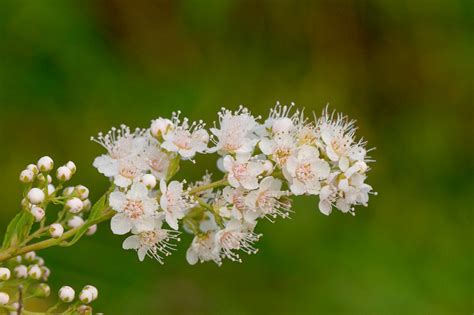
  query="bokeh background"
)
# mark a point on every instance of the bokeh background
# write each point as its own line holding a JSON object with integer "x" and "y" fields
{"x": 403, "y": 69}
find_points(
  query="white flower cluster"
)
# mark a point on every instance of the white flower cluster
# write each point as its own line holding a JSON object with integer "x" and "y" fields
{"x": 41, "y": 192}
{"x": 264, "y": 163}
{"x": 31, "y": 269}
{"x": 28, "y": 267}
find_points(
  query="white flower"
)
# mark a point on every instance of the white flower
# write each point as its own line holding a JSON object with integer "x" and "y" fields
{"x": 239, "y": 210}
{"x": 152, "y": 243}
{"x": 4, "y": 273}
{"x": 305, "y": 170}
{"x": 236, "y": 133}
{"x": 280, "y": 147}
{"x": 185, "y": 139}
{"x": 204, "y": 248}
{"x": 135, "y": 209}
{"x": 174, "y": 202}
{"x": 243, "y": 172}
{"x": 45, "y": 164}
{"x": 281, "y": 120}
{"x": 157, "y": 161}
{"x": 338, "y": 138}
{"x": 66, "y": 294}
{"x": 121, "y": 144}
{"x": 233, "y": 237}
{"x": 269, "y": 199}
{"x": 35, "y": 196}
{"x": 344, "y": 193}
{"x": 56, "y": 230}
{"x": 129, "y": 170}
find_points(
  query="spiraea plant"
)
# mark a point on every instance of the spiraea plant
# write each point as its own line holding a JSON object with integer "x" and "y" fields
{"x": 263, "y": 164}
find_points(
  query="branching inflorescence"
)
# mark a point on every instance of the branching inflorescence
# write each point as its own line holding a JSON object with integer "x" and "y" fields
{"x": 264, "y": 163}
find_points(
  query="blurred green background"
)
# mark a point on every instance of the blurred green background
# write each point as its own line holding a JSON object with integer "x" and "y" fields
{"x": 403, "y": 69}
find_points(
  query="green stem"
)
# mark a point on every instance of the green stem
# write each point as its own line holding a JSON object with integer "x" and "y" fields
{"x": 202, "y": 188}
{"x": 12, "y": 252}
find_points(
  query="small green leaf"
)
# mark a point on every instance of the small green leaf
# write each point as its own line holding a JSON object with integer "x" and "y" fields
{"x": 96, "y": 211}
{"x": 173, "y": 168}
{"x": 18, "y": 229}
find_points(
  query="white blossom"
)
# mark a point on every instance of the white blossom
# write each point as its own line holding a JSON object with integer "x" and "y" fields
{"x": 174, "y": 202}
{"x": 269, "y": 200}
{"x": 204, "y": 248}
{"x": 234, "y": 237}
{"x": 27, "y": 176}
{"x": 153, "y": 243}
{"x": 122, "y": 160}
{"x": 238, "y": 209}
{"x": 135, "y": 209}
{"x": 184, "y": 138}
{"x": 243, "y": 171}
{"x": 304, "y": 171}
{"x": 236, "y": 132}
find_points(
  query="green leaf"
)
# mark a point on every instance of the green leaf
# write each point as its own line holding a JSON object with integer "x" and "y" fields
{"x": 18, "y": 229}
{"x": 173, "y": 167}
{"x": 96, "y": 211}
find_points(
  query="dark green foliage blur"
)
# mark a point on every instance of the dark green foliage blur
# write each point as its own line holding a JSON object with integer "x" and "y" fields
{"x": 403, "y": 69}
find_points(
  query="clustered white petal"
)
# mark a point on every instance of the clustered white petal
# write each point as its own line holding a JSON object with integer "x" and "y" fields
{"x": 264, "y": 164}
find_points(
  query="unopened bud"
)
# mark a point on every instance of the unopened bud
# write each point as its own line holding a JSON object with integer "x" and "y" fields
{"x": 45, "y": 164}
{"x": 83, "y": 192}
{"x": 159, "y": 127}
{"x": 33, "y": 168}
{"x": 4, "y": 273}
{"x": 20, "y": 272}
{"x": 27, "y": 176}
{"x": 36, "y": 196}
{"x": 149, "y": 181}
{"x": 4, "y": 298}
{"x": 66, "y": 294}
{"x": 42, "y": 290}
{"x": 75, "y": 222}
{"x": 87, "y": 204}
{"x": 91, "y": 230}
{"x": 74, "y": 205}
{"x": 63, "y": 173}
{"x": 34, "y": 272}
{"x": 56, "y": 230}
{"x": 30, "y": 256}
{"x": 38, "y": 213}
{"x": 70, "y": 165}
{"x": 85, "y": 296}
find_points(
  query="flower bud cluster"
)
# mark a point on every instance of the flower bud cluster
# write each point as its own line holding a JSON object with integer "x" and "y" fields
{"x": 264, "y": 163}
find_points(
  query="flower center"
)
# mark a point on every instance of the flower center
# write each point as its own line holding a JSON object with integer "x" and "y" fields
{"x": 182, "y": 139}
{"x": 134, "y": 209}
{"x": 304, "y": 172}
{"x": 240, "y": 171}
{"x": 281, "y": 155}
